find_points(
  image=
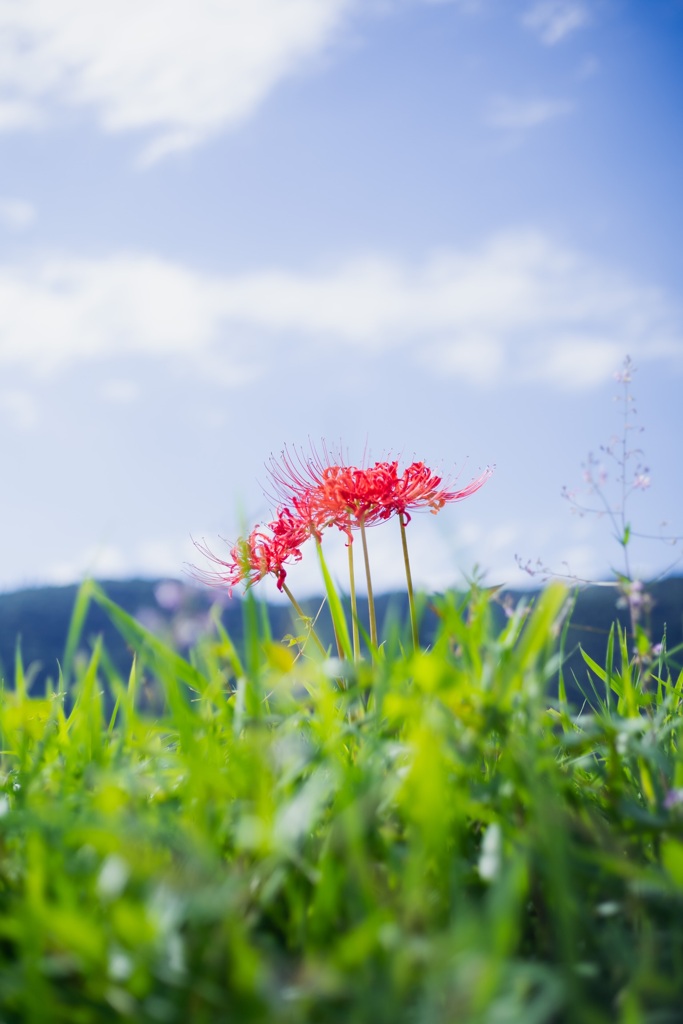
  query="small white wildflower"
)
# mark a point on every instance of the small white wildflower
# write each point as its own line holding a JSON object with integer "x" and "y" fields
{"x": 120, "y": 966}
{"x": 608, "y": 909}
{"x": 113, "y": 877}
{"x": 491, "y": 849}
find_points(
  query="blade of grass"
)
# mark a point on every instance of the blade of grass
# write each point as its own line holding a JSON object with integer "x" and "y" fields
{"x": 336, "y": 608}
{"x": 76, "y": 625}
{"x": 148, "y": 646}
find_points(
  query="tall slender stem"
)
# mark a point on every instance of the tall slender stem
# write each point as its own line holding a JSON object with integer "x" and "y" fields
{"x": 340, "y": 649}
{"x": 306, "y": 618}
{"x": 371, "y": 599}
{"x": 354, "y": 604}
{"x": 409, "y": 582}
{"x": 624, "y": 484}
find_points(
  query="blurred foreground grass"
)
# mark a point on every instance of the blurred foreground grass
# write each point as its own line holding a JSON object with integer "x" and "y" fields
{"x": 430, "y": 837}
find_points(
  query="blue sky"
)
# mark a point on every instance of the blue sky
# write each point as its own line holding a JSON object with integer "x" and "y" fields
{"x": 427, "y": 227}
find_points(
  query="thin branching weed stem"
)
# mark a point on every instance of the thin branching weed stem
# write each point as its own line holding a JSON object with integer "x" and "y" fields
{"x": 305, "y": 618}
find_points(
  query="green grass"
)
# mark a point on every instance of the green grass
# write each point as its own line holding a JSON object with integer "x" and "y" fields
{"x": 423, "y": 838}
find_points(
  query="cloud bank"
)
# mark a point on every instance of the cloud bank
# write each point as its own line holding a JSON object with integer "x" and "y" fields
{"x": 518, "y": 308}
{"x": 182, "y": 69}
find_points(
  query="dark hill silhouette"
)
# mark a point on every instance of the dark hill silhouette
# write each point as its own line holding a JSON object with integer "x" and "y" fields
{"x": 38, "y": 619}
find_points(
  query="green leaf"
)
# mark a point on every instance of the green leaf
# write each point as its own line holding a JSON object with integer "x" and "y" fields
{"x": 336, "y": 608}
{"x": 148, "y": 646}
{"x": 537, "y": 635}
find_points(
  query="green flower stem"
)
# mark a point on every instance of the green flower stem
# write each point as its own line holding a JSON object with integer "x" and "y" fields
{"x": 354, "y": 604}
{"x": 409, "y": 582}
{"x": 340, "y": 649}
{"x": 341, "y": 631}
{"x": 306, "y": 618}
{"x": 371, "y": 600}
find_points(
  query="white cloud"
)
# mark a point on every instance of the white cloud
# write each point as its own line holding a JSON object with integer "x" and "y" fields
{"x": 518, "y": 113}
{"x": 181, "y": 69}
{"x": 61, "y": 310}
{"x": 577, "y": 361}
{"x": 554, "y": 20}
{"x": 518, "y": 308}
{"x": 17, "y": 113}
{"x": 16, "y": 214}
{"x": 102, "y": 561}
{"x": 114, "y": 560}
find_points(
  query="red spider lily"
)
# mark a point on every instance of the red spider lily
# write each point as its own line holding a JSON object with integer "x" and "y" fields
{"x": 420, "y": 488}
{"x": 328, "y": 494}
{"x": 296, "y": 474}
{"x": 349, "y": 497}
{"x": 260, "y": 554}
{"x": 325, "y": 492}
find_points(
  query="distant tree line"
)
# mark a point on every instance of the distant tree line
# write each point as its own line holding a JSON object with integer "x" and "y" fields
{"x": 35, "y": 622}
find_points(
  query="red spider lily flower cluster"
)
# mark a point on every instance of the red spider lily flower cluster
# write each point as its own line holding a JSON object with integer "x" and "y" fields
{"x": 314, "y": 493}
{"x": 263, "y": 553}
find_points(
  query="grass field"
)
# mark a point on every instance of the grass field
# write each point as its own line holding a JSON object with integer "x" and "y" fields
{"x": 276, "y": 835}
